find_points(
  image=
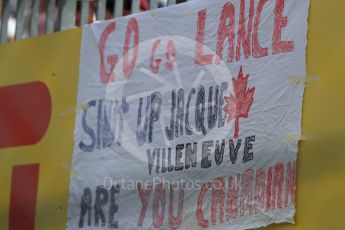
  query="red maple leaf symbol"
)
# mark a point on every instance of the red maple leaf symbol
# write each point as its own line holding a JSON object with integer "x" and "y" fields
{"x": 238, "y": 105}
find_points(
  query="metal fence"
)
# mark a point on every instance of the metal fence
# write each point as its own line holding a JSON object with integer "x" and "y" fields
{"x": 27, "y": 18}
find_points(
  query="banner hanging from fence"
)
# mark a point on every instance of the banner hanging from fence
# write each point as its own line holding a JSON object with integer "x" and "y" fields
{"x": 187, "y": 117}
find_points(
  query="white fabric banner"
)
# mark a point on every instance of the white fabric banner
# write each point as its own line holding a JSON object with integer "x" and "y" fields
{"x": 189, "y": 116}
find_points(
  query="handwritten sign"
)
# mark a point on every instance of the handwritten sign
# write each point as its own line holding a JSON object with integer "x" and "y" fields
{"x": 184, "y": 117}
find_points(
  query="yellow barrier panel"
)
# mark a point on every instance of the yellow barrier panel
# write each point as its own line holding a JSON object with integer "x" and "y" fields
{"x": 54, "y": 60}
